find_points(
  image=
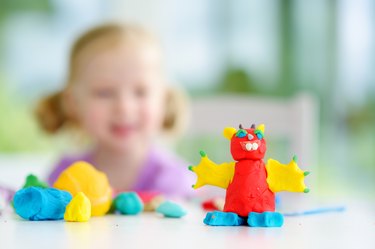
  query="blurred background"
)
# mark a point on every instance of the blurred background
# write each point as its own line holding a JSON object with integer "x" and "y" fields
{"x": 315, "y": 54}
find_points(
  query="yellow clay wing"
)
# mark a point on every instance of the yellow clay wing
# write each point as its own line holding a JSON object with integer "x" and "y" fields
{"x": 210, "y": 173}
{"x": 286, "y": 177}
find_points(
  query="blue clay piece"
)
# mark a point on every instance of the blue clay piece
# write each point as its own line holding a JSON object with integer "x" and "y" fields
{"x": 259, "y": 136}
{"x": 241, "y": 133}
{"x": 265, "y": 219}
{"x": 35, "y": 203}
{"x": 128, "y": 203}
{"x": 171, "y": 210}
{"x": 218, "y": 218}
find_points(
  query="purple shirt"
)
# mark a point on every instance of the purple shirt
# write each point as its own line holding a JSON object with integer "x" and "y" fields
{"x": 162, "y": 172}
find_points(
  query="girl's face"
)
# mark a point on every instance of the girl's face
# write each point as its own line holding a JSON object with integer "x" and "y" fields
{"x": 119, "y": 96}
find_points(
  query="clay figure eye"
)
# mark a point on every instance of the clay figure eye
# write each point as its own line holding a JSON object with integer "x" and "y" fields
{"x": 259, "y": 134}
{"x": 250, "y": 137}
{"x": 241, "y": 133}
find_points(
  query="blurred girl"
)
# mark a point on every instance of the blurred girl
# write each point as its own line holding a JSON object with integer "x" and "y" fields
{"x": 116, "y": 92}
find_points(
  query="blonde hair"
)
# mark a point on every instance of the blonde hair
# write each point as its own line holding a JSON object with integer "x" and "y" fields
{"x": 51, "y": 112}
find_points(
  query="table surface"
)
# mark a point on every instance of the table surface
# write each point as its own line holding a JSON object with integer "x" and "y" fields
{"x": 353, "y": 228}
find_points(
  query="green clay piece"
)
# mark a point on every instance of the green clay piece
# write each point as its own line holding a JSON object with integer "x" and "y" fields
{"x": 295, "y": 158}
{"x": 112, "y": 209}
{"x": 203, "y": 154}
{"x": 190, "y": 168}
{"x": 306, "y": 190}
{"x": 33, "y": 181}
{"x": 306, "y": 173}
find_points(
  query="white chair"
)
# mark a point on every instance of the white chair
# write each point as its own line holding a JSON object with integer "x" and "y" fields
{"x": 296, "y": 118}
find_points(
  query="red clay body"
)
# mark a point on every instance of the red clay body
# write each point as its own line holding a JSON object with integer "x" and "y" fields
{"x": 249, "y": 191}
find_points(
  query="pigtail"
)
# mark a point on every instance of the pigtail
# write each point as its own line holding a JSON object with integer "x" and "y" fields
{"x": 175, "y": 120}
{"x": 50, "y": 113}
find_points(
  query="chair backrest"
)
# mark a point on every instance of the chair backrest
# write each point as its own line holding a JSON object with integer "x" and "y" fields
{"x": 296, "y": 118}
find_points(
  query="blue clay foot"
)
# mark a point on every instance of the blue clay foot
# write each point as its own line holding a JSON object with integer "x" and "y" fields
{"x": 265, "y": 219}
{"x": 217, "y": 218}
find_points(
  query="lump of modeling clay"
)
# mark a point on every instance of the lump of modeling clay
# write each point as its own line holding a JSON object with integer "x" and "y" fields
{"x": 214, "y": 204}
{"x": 218, "y": 218}
{"x": 265, "y": 219}
{"x": 171, "y": 210}
{"x": 78, "y": 209}
{"x": 37, "y": 203}
{"x": 33, "y": 181}
{"x": 83, "y": 177}
{"x": 154, "y": 203}
{"x": 151, "y": 200}
{"x": 128, "y": 203}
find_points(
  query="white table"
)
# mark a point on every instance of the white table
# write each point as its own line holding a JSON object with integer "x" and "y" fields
{"x": 354, "y": 228}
